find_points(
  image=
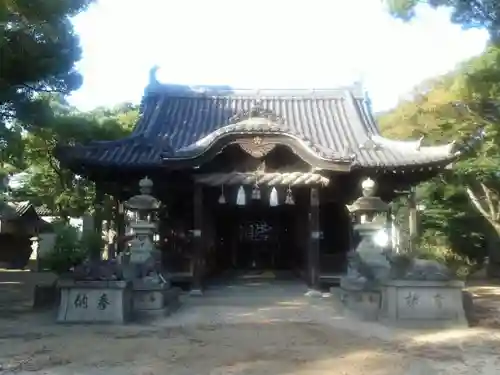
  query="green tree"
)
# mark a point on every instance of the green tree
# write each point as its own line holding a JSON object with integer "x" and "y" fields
{"x": 45, "y": 182}
{"x": 456, "y": 106}
{"x": 468, "y": 13}
{"x": 38, "y": 51}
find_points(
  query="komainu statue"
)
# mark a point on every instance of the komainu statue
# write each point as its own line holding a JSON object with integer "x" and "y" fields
{"x": 408, "y": 266}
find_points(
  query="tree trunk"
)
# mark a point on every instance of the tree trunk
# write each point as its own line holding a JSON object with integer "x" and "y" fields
{"x": 493, "y": 247}
{"x": 488, "y": 210}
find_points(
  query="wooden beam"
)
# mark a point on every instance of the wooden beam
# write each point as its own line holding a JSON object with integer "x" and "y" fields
{"x": 98, "y": 218}
{"x": 314, "y": 238}
{"x": 198, "y": 253}
{"x": 412, "y": 219}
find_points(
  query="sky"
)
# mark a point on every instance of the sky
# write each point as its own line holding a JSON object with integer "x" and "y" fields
{"x": 264, "y": 44}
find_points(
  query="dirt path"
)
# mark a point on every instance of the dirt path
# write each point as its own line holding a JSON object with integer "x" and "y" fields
{"x": 259, "y": 329}
{"x": 275, "y": 348}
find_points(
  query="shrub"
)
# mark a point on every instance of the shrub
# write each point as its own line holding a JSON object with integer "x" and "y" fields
{"x": 92, "y": 244}
{"x": 67, "y": 251}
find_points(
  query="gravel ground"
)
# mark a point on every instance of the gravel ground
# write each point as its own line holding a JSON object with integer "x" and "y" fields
{"x": 244, "y": 329}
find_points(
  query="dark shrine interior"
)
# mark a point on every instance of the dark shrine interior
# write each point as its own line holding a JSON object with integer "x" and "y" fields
{"x": 259, "y": 237}
{"x": 256, "y": 236}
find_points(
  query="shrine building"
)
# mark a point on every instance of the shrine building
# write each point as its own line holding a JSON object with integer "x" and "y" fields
{"x": 254, "y": 179}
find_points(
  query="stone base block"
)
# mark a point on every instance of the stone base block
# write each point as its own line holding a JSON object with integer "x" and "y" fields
{"x": 429, "y": 302}
{"x": 154, "y": 300}
{"x": 95, "y": 301}
{"x": 364, "y": 304}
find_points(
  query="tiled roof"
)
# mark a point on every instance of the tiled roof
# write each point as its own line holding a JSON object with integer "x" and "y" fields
{"x": 43, "y": 211}
{"x": 178, "y": 122}
{"x": 14, "y": 210}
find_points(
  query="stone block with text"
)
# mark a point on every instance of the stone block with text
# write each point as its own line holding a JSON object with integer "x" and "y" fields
{"x": 417, "y": 301}
{"x": 95, "y": 301}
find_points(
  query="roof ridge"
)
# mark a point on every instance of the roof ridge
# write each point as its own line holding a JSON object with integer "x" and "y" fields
{"x": 174, "y": 90}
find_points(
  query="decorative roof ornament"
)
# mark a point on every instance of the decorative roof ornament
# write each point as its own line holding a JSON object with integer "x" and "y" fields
{"x": 153, "y": 79}
{"x": 256, "y": 105}
{"x": 348, "y": 153}
{"x": 420, "y": 141}
{"x": 370, "y": 144}
{"x": 257, "y": 111}
{"x": 153, "y": 83}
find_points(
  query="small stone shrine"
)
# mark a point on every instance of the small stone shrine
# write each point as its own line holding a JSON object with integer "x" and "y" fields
{"x": 367, "y": 264}
{"x": 152, "y": 294}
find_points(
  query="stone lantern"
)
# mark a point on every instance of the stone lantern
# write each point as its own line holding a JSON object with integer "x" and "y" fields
{"x": 142, "y": 246}
{"x": 152, "y": 294}
{"x": 367, "y": 211}
{"x": 367, "y": 263}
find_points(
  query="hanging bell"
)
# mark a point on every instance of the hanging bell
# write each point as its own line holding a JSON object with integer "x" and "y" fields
{"x": 289, "y": 197}
{"x": 256, "y": 192}
{"x": 273, "y": 198}
{"x": 241, "y": 198}
{"x": 222, "y": 197}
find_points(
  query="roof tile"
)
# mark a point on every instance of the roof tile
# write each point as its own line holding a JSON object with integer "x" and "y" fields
{"x": 333, "y": 122}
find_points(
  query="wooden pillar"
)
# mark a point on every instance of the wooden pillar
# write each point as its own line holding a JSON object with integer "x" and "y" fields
{"x": 412, "y": 219}
{"x": 313, "y": 252}
{"x": 389, "y": 225}
{"x": 196, "y": 287}
{"x": 119, "y": 226}
{"x": 98, "y": 218}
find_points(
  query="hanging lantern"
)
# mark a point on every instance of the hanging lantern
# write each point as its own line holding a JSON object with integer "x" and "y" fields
{"x": 256, "y": 192}
{"x": 241, "y": 198}
{"x": 273, "y": 197}
{"x": 289, "y": 197}
{"x": 222, "y": 198}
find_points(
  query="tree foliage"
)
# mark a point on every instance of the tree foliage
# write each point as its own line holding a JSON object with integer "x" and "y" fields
{"x": 44, "y": 182}
{"x": 463, "y": 205}
{"x": 467, "y": 13}
{"x": 38, "y": 51}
